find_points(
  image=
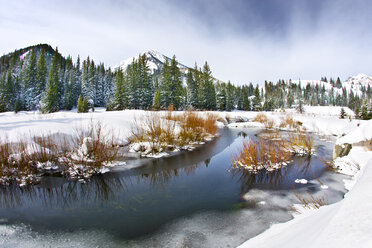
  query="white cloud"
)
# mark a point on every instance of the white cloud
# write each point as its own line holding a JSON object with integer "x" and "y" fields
{"x": 334, "y": 42}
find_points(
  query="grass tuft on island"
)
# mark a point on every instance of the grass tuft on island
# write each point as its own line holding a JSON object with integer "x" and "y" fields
{"x": 172, "y": 131}
{"x": 273, "y": 151}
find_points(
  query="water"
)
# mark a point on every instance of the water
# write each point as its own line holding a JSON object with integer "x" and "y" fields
{"x": 193, "y": 199}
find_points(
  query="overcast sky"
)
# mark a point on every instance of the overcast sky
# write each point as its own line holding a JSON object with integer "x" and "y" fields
{"x": 243, "y": 41}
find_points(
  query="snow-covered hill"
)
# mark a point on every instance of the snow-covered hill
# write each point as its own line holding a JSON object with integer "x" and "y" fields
{"x": 155, "y": 62}
{"x": 355, "y": 84}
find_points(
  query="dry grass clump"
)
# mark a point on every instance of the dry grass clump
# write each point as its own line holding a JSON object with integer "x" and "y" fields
{"x": 172, "y": 130}
{"x": 159, "y": 132}
{"x": 43, "y": 149}
{"x": 93, "y": 150}
{"x": 23, "y": 162}
{"x": 269, "y": 124}
{"x": 300, "y": 143}
{"x": 98, "y": 146}
{"x": 287, "y": 121}
{"x": 310, "y": 201}
{"x": 262, "y": 118}
{"x": 15, "y": 165}
{"x": 262, "y": 154}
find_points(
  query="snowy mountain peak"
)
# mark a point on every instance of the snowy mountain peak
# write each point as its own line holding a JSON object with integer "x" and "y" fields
{"x": 155, "y": 61}
{"x": 156, "y": 55}
{"x": 361, "y": 79}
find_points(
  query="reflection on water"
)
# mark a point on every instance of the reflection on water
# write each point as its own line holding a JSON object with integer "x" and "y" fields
{"x": 242, "y": 134}
{"x": 300, "y": 167}
{"x": 104, "y": 188}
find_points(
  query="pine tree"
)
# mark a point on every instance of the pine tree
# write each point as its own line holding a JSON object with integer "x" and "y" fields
{"x": 338, "y": 83}
{"x": 156, "y": 101}
{"x": 176, "y": 84}
{"x": 221, "y": 96}
{"x": 192, "y": 89}
{"x": 41, "y": 74}
{"x": 85, "y": 77}
{"x": 30, "y": 83}
{"x": 365, "y": 112}
{"x": 171, "y": 86}
{"x": 300, "y": 106}
{"x": 146, "y": 89}
{"x": 229, "y": 97}
{"x": 50, "y": 102}
{"x": 209, "y": 100}
{"x": 76, "y": 82}
{"x": 246, "y": 101}
{"x": 91, "y": 88}
{"x": 80, "y": 105}
{"x": 7, "y": 93}
{"x": 120, "y": 100}
{"x": 342, "y": 113}
{"x": 256, "y": 103}
{"x": 85, "y": 105}
{"x": 68, "y": 97}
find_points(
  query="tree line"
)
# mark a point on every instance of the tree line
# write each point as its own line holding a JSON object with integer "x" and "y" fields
{"x": 40, "y": 78}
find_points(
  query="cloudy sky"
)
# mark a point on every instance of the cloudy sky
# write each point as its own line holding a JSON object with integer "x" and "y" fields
{"x": 243, "y": 41}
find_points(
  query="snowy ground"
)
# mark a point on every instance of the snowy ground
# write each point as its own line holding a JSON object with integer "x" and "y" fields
{"x": 21, "y": 125}
{"x": 344, "y": 224}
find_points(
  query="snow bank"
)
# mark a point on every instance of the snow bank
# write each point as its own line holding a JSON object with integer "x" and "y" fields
{"x": 23, "y": 124}
{"x": 363, "y": 133}
{"x": 343, "y": 224}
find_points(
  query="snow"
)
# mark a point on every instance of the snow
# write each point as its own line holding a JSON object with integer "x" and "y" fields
{"x": 354, "y": 84}
{"x": 155, "y": 61}
{"x": 343, "y": 224}
{"x": 23, "y": 125}
{"x": 363, "y": 133}
{"x": 302, "y": 181}
{"x": 24, "y": 55}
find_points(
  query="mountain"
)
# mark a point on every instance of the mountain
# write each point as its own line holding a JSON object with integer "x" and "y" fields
{"x": 155, "y": 62}
{"x": 356, "y": 84}
{"x": 20, "y": 56}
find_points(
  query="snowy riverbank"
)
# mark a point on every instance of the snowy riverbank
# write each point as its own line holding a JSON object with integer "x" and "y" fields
{"x": 343, "y": 224}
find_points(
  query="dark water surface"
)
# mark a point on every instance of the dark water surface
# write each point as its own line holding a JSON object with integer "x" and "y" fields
{"x": 193, "y": 199}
